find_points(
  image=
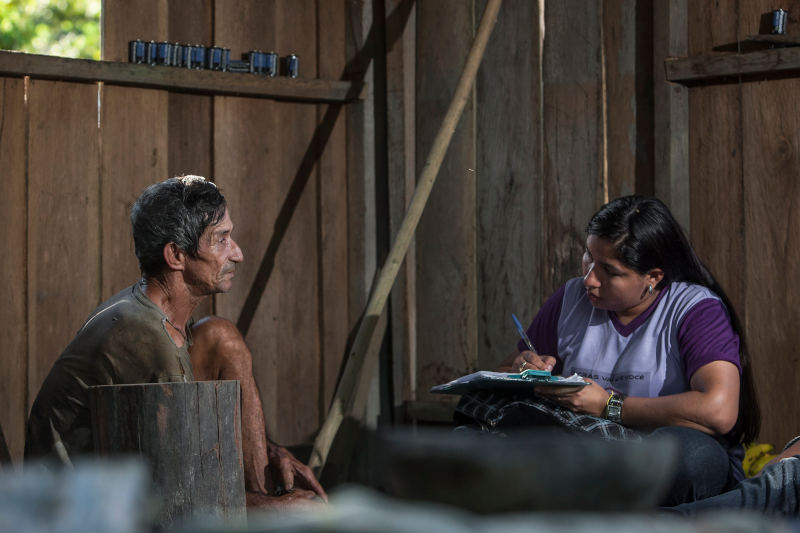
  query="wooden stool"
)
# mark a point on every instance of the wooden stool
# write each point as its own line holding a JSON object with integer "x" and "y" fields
{"x": 190, "y": 434}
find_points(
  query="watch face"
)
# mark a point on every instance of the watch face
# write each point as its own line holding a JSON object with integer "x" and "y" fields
{"x": 615, "y": 409}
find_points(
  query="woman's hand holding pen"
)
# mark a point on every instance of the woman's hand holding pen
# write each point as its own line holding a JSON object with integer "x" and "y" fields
{"x": 590, "y": 400}
{"x": 529, "y": 360}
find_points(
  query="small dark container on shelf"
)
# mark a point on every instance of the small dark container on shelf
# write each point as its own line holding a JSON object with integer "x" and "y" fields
{"x": 272, "y": 64}
{"x": 779, "y": 22}
{"x": 164, "y": 53}
{"x": 217, "y": 58}
{"x": 198, "y": 56}
{"x": 290, "y": 66}
{"x": 150, "y": 52}
{"x": 136, "y": 51}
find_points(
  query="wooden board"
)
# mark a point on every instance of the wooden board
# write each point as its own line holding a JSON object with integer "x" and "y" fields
{"x": 265, "y": 165}
{"x": 445, "y": 238}
{"x": 190, "y": 117}
{"x": 508, "y": 180}
{"x": 63, "y": 219}
{"x": 298, "y": 264}
{"x": 771, "y": 155}
{"x": 332, "y": 238}
{"x": 362, "y": 258}
{"x": 133, "y": 126}
{"x": 771, "y": 245}
{"x": 401, "y": 178}
{"x": 574, "y": 181}
{"x": 627, "y": 28}
{"x": 726, "y": 67}
{"x": 127, "y": 21}
{"x": 671, "y": 112}
{"x": 13, "y": 268}
{"x": 134, "y": 134}
{"x": 715, "y": 156}
{"x": 246, "y": 148}
{"x": 208, "y": 82}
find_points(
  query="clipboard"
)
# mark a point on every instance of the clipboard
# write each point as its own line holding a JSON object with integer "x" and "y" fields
{"x": 506, "y": 381}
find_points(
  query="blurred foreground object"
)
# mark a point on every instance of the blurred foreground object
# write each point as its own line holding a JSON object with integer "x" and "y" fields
{"x": 544, "y": 470}
{"x": 101, "y": 496}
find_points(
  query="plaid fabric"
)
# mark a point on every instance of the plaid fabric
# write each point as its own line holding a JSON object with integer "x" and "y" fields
{"x": 494, "y": 412}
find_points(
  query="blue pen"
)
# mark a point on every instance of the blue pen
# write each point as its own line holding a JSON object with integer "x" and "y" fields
{"x": 522, "y": 333}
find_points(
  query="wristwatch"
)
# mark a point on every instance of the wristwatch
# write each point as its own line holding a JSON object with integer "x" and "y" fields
{"x": 614, "y": 407}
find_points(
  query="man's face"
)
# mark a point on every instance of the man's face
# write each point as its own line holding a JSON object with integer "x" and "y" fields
{"x": 217, "y": 254}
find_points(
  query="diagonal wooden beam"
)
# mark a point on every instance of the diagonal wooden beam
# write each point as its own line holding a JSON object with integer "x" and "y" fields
{"x": 361, "y": 361}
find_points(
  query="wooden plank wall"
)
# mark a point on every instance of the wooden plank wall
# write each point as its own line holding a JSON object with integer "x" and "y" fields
{"x": 570, "y": 112}
{"x": 562, "y": 119}
{"x": 74, "y": 156}
{"x": 744, "y": 146}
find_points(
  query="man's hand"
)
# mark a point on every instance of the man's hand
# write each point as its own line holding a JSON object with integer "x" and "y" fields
{"x": 297, "y": 500}
{"x": 286, "y": 472}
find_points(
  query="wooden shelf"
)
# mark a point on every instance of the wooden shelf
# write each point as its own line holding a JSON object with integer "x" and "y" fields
{"x": 783, "y": 61}
{"x": 19, "y": 64}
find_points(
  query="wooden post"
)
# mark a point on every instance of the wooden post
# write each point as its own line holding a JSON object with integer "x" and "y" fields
{"x": 190, "y": 433}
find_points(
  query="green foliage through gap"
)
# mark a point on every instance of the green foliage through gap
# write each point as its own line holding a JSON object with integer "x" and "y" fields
{"x": 66, "y": 28}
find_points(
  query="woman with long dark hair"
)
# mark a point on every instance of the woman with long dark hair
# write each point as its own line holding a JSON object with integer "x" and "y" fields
{"x": 657, "y": 338}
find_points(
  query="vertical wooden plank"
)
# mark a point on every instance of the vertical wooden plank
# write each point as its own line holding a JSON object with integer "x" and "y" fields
{"x": 508, "y": 178}
{"x": 299, "y": 291}
{"x": 574, "y": 185}
{"x": 246, "y": 147}
{"x": 127, "y": 21}
{"x": 13, "y": 320}
{"x": 364, "y": 48}
{"x": 715, "y": 157}
{"x": 134, "y": 135}
{"x": 771, "y": 154}
{"x": 446, "y": 243}
{"x": 671, "y": 110}
{"x": 190, "y": 116}
{"x": 770, "y": 158}
{"x": 264, "y": 161}
{"x": 63, "y": 219}
{"x": 134, "y": 155}
{"x": 332, "y": 203}
{"x": 627, "y": 34}
{"x": 361, "y": 229}
{"x": 400, "y": 80}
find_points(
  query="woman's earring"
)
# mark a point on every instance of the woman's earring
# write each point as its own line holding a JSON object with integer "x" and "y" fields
{"x": 649, "y": 289}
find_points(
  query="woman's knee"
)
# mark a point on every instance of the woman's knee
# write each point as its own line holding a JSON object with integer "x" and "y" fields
{"x": 702, "y": 468}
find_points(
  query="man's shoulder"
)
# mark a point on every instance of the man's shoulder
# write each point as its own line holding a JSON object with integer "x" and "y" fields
{"x": 124, "y": 313}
